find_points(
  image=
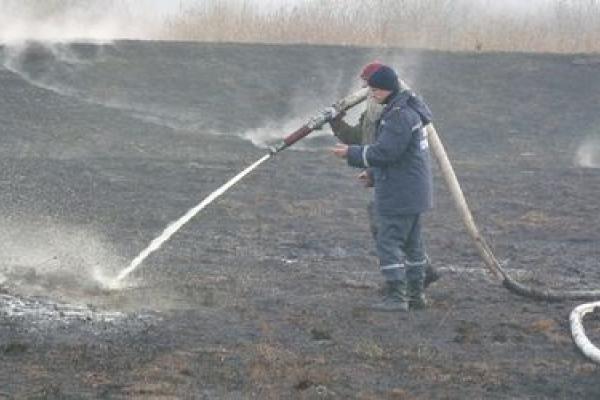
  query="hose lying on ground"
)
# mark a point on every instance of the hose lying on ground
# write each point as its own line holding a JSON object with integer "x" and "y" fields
{"x": 578, "y": 333}
{"x": 482, "y": 247}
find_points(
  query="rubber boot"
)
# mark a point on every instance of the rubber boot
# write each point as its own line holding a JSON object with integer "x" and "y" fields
{"x": 415, "y": 276}
{"x": 395, "y": 299}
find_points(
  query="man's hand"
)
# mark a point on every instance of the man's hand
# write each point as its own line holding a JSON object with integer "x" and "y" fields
{"x": 366, "y": 179}
{"x": 329, "y": 113}
{"x": 337, "y": 123}
{"x": 340, "y": 150}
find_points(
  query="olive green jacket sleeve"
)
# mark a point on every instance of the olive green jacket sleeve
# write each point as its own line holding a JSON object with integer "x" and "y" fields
{"x": 346, "y": 133}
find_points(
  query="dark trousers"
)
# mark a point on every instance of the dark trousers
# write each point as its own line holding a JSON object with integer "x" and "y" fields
{"x": 399, "y": 244}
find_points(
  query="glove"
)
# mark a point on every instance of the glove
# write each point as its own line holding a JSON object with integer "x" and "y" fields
{"x": 366, "y": 178}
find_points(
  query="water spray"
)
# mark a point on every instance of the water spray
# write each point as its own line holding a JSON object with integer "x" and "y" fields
{"x": 490, "y": 261}
{"x": 175, "y": 226}
{"x": 313, "y": 124}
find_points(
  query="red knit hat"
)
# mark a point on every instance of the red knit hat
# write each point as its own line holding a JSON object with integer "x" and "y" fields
{"x": 369, "y": 70}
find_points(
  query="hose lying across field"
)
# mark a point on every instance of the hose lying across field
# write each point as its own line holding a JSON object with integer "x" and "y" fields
{"x": 578, "y": 333}
{"x": 496, "y": 269}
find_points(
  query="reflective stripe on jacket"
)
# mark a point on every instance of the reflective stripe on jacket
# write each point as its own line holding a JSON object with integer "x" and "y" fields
{"x": 399, "y": 159}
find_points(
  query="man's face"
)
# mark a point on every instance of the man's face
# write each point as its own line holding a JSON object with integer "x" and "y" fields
{"x": 379, "y": 95}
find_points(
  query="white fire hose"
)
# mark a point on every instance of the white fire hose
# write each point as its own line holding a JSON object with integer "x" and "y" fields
{"x": 576, "y": 318}
{"x": 578, "y": 332}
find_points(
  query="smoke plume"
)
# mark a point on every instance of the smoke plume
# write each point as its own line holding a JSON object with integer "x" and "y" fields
{"x": 69, "y": 20}
{"x": 588, "y": 154}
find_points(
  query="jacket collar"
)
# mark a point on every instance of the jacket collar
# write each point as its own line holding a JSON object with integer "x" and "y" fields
{"x": 399, "y": 100}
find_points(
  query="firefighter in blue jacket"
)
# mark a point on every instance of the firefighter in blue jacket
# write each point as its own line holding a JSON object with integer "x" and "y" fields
{"x": 399, "y": 165}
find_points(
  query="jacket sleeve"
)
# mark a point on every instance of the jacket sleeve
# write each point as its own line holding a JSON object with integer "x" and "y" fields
{"x": 392, "y": 142}
{"x": 346, "y": 133}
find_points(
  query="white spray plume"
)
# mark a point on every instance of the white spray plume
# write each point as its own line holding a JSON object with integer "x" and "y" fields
{"x": 273, "y": 132}
{"x": 305, "y": 103}
{"x": 588, "y": 154}
{"x": 45, "y": 247}
{"x": 66, "y": 21}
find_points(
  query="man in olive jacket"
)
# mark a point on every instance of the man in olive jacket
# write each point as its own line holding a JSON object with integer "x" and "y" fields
{"x": 398, "y": 163}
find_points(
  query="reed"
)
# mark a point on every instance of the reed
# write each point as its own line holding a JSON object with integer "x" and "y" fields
{"x": 558, "y": 26}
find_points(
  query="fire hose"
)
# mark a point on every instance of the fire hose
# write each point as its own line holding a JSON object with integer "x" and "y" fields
{"x": 578, "y": 332}
{"x": 313, "y": 124}
{"x": 484, "y": 250}
{"x": 576, "y": 318}
{"x": 321, "y": 119}
{"x": 447, "y": 171}
{"x": 458, "y": 197}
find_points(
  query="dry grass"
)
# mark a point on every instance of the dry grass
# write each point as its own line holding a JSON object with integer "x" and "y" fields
{"x": 563, "y": 26}
{"x": 370, "y": 350}
{"x": 559, "y": 26}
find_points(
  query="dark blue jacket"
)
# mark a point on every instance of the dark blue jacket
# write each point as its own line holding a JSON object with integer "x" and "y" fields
{"x": 399, "y": 159}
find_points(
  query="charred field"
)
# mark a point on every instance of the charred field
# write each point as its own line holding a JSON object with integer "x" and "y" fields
{"x": 263, "y": 294}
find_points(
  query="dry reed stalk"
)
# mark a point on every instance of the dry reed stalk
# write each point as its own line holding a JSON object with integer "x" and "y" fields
{"x": 561, "y": 26}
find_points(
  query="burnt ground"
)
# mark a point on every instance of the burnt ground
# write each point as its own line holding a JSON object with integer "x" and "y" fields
{"x": 263, "y": 294}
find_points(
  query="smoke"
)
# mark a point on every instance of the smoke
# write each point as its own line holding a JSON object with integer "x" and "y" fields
{"x": 36, "y": 37}
{"x": 321, "y": 90}
{"x": 588, "y": 154}
{"x": 56, "y": 66}
{"x": 65, "y": 21}
{"x": 37, "y": 63}
{"x": 304, "y": 103}
{"x": 407, "y": 66}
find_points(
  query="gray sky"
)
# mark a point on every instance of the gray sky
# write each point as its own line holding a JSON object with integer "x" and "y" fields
{"x": 512, "y": 5}
{"x": 166, "y": 6}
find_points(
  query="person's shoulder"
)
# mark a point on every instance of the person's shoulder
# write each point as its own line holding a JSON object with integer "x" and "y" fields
{"x": 419, "y": 105}
{"x": 403, "y": 118}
